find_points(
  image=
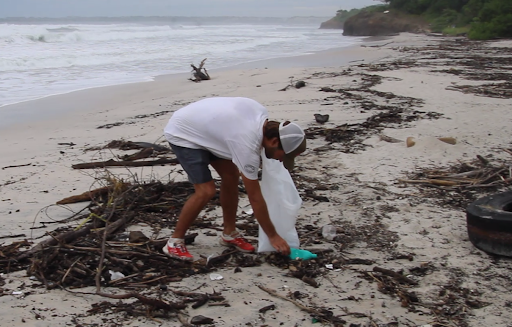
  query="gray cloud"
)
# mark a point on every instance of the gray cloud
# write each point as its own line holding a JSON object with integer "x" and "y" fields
{"x": 198, "y": 8}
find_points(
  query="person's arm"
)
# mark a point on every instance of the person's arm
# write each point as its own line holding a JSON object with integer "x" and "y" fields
{"x": 259, "y": 206}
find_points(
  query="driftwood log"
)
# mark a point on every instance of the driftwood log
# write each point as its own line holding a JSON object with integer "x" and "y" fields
{"x": 200, "y": 73}
{"x": 90, "y": 195}
{"x": 114, "y": 163}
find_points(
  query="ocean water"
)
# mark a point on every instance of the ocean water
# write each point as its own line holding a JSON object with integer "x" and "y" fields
{"x": 44, "y": 58}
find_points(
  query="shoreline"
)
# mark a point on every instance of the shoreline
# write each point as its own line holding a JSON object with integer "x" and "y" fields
{"x": 58, "y": 104}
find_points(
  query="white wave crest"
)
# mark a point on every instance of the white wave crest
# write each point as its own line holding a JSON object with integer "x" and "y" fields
{"x": 49, "y": 59}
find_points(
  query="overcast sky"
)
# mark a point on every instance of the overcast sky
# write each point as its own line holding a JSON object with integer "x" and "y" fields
{"x": 262, "y": 8}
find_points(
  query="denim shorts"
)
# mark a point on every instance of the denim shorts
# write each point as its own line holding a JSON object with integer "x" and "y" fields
{"x": 195, "y": 163}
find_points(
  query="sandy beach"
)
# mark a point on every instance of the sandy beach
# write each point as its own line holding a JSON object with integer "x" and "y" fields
{"x": 355, "y": 175}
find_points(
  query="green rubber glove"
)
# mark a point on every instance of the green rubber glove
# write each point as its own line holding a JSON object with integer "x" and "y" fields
{"x": 296, "y": 254}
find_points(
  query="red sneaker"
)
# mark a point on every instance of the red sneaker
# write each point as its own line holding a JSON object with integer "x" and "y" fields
{"x": 236, "y": 240}
{"x": 177, "y": 250}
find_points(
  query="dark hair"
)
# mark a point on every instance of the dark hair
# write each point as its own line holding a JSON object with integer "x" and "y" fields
{"x": 272, "y": 130}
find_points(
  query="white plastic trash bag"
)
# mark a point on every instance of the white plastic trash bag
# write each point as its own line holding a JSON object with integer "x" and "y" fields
{"x": 283, "y": 203}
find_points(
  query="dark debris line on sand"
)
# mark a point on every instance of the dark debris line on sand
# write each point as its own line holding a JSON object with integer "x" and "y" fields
{"x": 477, "y": 62}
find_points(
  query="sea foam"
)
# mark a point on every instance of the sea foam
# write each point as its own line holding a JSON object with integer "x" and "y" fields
{"x": 37, "y": 60}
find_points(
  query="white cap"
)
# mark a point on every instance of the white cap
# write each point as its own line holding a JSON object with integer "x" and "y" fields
{"x": 291, "y": 136}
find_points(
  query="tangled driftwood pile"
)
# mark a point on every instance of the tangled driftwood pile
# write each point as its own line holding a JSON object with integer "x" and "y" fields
{"x": 460, "y": 184}
{"x": 99, "y": 249}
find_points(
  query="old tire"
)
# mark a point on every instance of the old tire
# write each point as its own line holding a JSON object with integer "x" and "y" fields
{"x": 489, "y": 221}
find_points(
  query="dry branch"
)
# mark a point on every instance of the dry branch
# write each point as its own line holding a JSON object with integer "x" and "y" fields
{"x": 142, "y": 154}
{"x": 70, "y": 236}
{"x": 200, "y": 73}
{"x": 90, "y": 195}
{"x": 322, "y": 315}
{"x": 153, "y": 303}
{"x": 430, "y": 181}
{"x": 478, "y": 174}
{"x": 301, "y": 306}
{"x": 16, "y": 166}
{"x": 395, "y": 275}
{"x": 114, "y": 163}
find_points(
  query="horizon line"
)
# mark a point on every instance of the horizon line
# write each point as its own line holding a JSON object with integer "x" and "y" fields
{"x": 153, "y": 16}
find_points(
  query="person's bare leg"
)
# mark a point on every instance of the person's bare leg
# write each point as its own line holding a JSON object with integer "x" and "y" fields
{"x": 230, "y": 176}
{"x": 193, "y": 206}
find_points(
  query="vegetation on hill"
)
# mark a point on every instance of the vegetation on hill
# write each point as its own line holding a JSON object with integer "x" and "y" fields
{"x": 342, "y": 15}
{"x": 367, "y": 23}
{"x": 479, "y": 19}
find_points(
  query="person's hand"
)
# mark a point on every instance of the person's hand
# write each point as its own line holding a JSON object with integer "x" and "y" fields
{"x": 280, "y": 245}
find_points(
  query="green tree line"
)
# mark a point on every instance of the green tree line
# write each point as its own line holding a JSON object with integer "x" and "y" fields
{"x": 343, "y": 15}
{"x": 480, "y": 19}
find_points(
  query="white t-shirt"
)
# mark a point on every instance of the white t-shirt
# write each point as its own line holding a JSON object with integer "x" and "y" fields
{"x": 230, "y": 128}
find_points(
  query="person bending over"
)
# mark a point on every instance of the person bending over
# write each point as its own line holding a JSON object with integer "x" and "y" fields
{"x": 228, "y": 133}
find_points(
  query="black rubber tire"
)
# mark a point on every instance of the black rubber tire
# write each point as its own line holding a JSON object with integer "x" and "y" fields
{"x": 489, "y": 221}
